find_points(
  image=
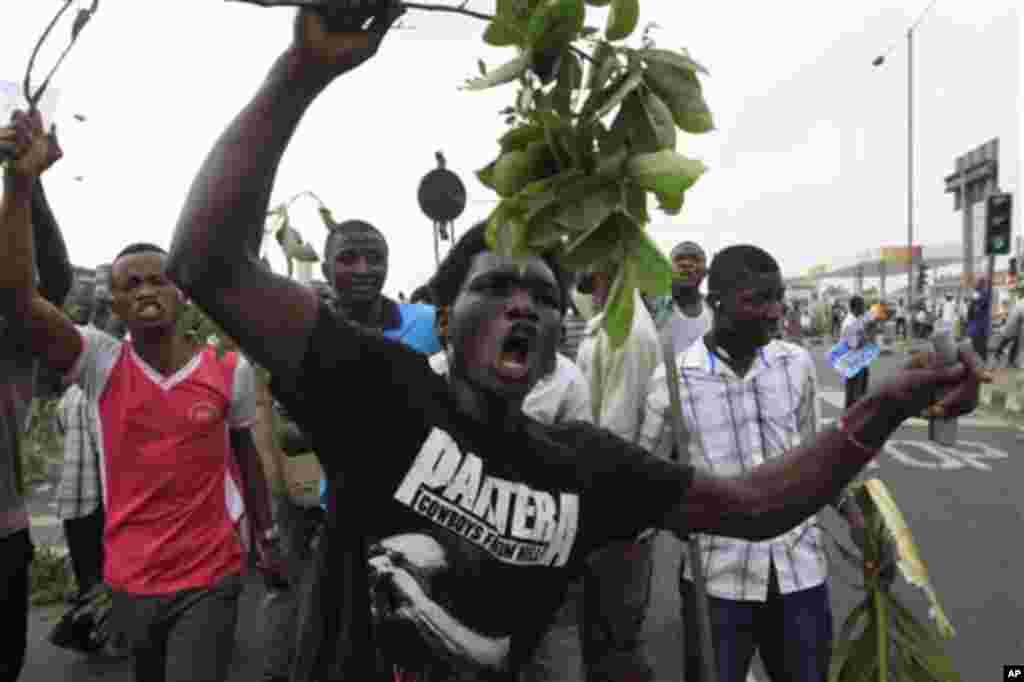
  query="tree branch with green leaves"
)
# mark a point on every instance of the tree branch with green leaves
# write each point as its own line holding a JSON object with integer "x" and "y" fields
{"x": 588, "y": 143}
{"x": 881, "y": 640}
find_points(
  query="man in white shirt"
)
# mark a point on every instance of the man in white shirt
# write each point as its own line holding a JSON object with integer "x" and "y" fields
{"x": 559, "y": 397}
{"x": 856, "y": 330}
{"x": 746, "y": 399}
{"x": 690, "y": 318}
{"x": 616, "y": 585}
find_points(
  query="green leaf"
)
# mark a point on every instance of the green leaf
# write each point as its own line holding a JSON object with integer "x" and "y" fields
{"x": 610, "y": 164}
{"x": 861, "y": 664}
{"x": 857, "y": 619}
{"x": 618, "y": 311}
{"x": 554, "y": 24}
{"x": 622, "y": 19}
{"x": 544, "y": 235}
{"x": 520, "y": 137}
{"x": 570, "y": 77}
{"x": 882, "y": 634}
{"x": 511, "y": 173}
{"x": 591, "y": 210}
{"x": 626, "y": 85}
{"x": 920, "y": 642}
{"x": 503, "y": 33}
{"x": 660, "y": 118}
{"x": 556, "y": 147}
{"x": 486, "y": 175}
{"x": 601, "y": 68}
{"x": 645, "y": 132}
{"x": 666, "y": 173}
{"x": 682, "y": 92}
{"x": 504, "y": 74}
{"x": 594, "y": 246}
{"x": 636, "y": 203}
{"x": 679, "y": 60}
{"x": 652, "y": 272}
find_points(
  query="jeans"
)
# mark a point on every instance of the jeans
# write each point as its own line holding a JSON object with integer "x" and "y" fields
{"x": 609, "y": 611}
{"x": 16, "y": 553}
{"x": 792, "y": 632}
{"x": 187, "y": 636}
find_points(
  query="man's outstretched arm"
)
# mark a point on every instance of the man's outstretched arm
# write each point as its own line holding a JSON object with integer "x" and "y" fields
{"x": 780, "y": 493}
{"x": 214, "y": 253}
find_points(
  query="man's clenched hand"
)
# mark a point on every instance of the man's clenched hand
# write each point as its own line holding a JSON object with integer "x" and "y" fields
{"x": 34, "y": 150}
{"x": 327, "y": 53}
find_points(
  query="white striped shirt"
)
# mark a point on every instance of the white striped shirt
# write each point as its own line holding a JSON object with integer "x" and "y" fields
{"x": 79, "y": 492}
{"x": 732, "y": 425}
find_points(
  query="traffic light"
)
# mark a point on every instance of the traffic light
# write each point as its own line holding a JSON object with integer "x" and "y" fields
{"x": 922, "y": 277}
{"x": 998, "y": 224}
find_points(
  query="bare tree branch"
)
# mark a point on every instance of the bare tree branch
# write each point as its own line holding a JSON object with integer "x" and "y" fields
{"x": 461, "y": 9}
{"x": 27, "y": 85}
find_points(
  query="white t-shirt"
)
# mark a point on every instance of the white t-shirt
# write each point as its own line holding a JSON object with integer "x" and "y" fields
{"x": 949, "y": 311}
{"x": 683, "y": 329}
{"x": 853, "y": 330}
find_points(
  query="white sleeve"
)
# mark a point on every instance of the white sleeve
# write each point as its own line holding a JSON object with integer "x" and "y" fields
{"x": 244, "y": 410}
{"x": 92, "y": 369}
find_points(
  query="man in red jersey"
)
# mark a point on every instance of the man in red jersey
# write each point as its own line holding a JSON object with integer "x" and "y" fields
{"x": 175, "y": 445}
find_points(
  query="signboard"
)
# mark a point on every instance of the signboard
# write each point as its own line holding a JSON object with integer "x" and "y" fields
{"x": 897, "y": 255}
{"x": 979, "y": 213}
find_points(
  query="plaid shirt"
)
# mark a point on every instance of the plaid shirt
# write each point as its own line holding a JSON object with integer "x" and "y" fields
{"x": 80, "y": 490}
{"x": 732, "y": 425}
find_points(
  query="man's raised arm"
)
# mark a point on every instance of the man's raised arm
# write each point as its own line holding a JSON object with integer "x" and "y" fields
{"x": 214, "y": 252}
{"x": 43, "y": 326}
{"x": 55, "y": 274}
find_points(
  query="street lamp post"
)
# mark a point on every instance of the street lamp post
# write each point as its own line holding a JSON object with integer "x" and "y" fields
{"x": 878, "y": 61}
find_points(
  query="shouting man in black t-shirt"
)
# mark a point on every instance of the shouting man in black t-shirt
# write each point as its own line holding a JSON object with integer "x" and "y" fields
{"x": 459, "y": 475}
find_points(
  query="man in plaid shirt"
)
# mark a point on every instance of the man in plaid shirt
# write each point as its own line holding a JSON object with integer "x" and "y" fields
{"x": 747, "y": 398}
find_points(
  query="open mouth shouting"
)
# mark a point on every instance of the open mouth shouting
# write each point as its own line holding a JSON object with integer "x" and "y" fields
{"x": 515, "y": 352}
{"x": 149, "y": 309}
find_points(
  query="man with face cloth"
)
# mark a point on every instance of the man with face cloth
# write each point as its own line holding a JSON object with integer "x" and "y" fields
{"x": 459, "y": 459}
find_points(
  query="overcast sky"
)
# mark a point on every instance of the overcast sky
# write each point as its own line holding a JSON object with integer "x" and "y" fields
{"x": 808, "y": 161}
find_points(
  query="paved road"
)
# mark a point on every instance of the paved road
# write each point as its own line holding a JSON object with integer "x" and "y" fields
{"x": 963, "y": 505}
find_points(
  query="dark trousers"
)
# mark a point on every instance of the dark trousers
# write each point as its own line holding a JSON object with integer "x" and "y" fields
{"x": 187, "y": 636}
{"x": 281, "y": 605}
{"x": 792, "y": 632}
{"x": 16, "y": 553}
{"x": 856, "y": 387}
{"x": 980, "y": 343}
{"x": 609, "y": 606}
{"x": 85, "y": 545}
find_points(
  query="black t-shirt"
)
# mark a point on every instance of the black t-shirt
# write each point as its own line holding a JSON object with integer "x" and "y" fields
{"x": 517, "y": 511}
